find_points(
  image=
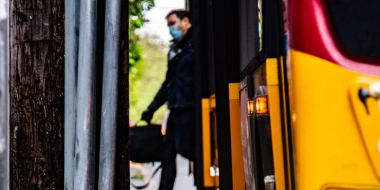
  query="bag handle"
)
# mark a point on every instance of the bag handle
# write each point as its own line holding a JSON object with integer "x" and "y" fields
{"x": 150, "y": 179}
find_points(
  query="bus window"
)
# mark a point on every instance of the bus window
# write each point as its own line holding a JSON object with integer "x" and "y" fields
{"x": 357, "y": 27}
{"x": 249, "y": 31}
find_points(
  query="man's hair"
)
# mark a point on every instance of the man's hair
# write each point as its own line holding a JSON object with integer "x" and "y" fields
{"x": 180, "y": 13}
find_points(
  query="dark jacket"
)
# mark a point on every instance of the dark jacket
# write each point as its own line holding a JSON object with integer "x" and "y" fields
{"x": 177, "y": 89}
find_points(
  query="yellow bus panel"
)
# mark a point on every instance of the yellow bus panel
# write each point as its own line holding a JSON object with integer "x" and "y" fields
{"x": 329, "y": 142}
{"x": 208, "y": 180}
{"x": 275, "y": 121}
{"x": 238, "y": 178}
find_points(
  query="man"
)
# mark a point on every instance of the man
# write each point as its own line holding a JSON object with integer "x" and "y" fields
{"x": 177, "y": 91}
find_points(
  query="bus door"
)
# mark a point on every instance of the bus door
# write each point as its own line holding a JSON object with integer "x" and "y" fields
{"x": 262, "y": 105}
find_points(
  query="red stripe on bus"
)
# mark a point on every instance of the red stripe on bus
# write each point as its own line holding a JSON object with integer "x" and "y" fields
{"x": 310, "y": 32}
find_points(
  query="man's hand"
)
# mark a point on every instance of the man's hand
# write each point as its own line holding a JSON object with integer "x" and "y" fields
{"x": 147, "y": 116}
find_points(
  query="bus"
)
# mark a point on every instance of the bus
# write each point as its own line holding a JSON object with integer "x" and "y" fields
{"x": 289, "y": 95}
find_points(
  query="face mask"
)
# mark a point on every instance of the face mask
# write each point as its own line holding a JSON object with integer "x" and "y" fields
{"x": 175, "y": 32}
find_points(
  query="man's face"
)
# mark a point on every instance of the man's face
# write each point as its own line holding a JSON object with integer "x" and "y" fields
{"x": 173, "y": 20}
{"x": 183, "y": 24}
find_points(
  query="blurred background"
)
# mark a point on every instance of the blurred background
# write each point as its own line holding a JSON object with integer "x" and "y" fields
{"x": 149, "y": 41}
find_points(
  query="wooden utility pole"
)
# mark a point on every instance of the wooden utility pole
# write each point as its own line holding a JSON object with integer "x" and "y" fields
{"x": 36, "y": 94}
{"x": 36, "y": 88}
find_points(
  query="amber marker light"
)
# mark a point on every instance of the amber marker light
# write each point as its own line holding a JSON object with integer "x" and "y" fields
{"x": 261, "y": 105}
{"x": 251, "y": 107}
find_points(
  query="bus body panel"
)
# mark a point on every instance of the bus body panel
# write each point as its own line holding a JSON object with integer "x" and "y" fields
{"x": 209, "y": 180}
{"x": 367, "y": 115}
{"x": 328, "y": 145}
{"x": 238, "y": 178}
{"x": 275, "y": 121}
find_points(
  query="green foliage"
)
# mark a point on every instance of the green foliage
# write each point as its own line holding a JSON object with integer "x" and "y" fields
{"x": 150, "y": 75}
{"x": 147, "y": 63}
{"x": 137, "y": 9}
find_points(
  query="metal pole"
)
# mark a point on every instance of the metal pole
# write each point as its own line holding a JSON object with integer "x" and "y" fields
{"x": 4, "y": 95}
{"x": 71, "y": 71}
{"x": 86, "y": 117}
{"x": 109, "y": 98}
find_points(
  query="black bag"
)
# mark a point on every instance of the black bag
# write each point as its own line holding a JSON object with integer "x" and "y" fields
{"x": 146, "y": 143}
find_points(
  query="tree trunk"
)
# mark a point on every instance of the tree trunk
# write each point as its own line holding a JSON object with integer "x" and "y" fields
{"x": 36, "y": 94}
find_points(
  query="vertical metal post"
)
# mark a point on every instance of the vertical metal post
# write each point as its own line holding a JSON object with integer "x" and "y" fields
{"x": 85, "y": 123}
{"x": 71, "y": 72}
{"x": 4, "y": 95}
{"x": 109, "y": 96}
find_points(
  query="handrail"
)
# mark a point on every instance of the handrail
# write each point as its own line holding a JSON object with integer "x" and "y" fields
{"x": 109, "y": 96}
{"x": 84, "y": 171}
{"x": 71, "y": 72}
{"x": 4, "y": 95}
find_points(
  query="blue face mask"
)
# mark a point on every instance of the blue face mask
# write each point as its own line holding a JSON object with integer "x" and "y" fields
{"x": 175, "y": 32}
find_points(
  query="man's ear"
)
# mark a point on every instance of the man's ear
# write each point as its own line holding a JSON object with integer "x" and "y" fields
{"x": 185, "y": 19}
